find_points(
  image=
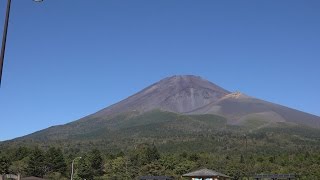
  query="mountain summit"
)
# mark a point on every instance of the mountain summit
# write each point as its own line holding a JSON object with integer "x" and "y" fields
{"x": 179, "y": 94}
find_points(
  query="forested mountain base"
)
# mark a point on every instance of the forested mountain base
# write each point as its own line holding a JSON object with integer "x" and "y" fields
{"x": 163, "y": 143}
{"x": 272, "y": 150}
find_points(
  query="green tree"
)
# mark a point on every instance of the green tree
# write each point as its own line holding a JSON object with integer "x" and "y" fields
{"x": 84, "y": 170}
{"x": 236, "y": 170}
{"x": 55, "y": 161}
{"x": 184, "y": 166}
{"x": 4, "y": 164}
{"x": 152, "y": 153}
{"x": 241, "y": 159}
{"x": 116, "y": 168}
{"x": 194, "y": 157}
{"x": 36, "y": 163}
{"x": 154, "y": 168}
{"x": 19, "y": 166}
{"x": 96, "y": 162}
{"x": 55, "y": 176}
{"x": 20, "y": 153}
{"x": 145, "y": 154}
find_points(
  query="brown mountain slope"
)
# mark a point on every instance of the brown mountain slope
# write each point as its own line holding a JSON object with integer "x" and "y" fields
{"x": 178, "y": 94}
{"x": 238, "y": 107}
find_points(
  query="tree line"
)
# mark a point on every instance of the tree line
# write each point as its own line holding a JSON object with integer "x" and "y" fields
{"x": 145, "y": 159}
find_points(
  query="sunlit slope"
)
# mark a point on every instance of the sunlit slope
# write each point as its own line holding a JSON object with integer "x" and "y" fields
{"x": 237, "y": 107}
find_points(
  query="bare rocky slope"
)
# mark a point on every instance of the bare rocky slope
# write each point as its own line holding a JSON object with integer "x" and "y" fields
{"x": 178, "y": 94}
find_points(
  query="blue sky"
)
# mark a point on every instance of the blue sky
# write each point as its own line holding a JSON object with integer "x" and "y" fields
{"x": 68, "y": 59}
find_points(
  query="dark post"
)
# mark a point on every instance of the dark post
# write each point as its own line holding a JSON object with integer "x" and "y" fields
{"x": 4, "y": 38}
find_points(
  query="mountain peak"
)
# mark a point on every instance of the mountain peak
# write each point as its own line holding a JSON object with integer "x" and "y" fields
{"x": 184, "y": 77}
{"x": 179, "y": 93}
{"x": 188, "y": 81}
{"x": 181, "y": 78}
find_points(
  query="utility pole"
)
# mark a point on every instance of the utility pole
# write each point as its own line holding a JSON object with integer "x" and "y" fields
{"x": 72, "y": 166}
{"x": 4, "y": 37}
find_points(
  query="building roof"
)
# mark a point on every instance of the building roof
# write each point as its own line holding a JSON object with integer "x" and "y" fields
{"x": 32, "y": 178}
{"x": 156, "y": 178}
{"x": 204, "y": 173}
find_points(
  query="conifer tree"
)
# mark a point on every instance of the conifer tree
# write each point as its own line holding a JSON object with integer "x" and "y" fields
{"x": 96, "y": 162}
{"x": 55, "y": 161}
{"x": 84, "y": 170}
{"x": 4, "y": 164}
{"x": 152, "y": 153}
{"x": 36, "y": 163}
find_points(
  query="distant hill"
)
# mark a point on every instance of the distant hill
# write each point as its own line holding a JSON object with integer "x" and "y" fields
{"x": 174, "y": 110}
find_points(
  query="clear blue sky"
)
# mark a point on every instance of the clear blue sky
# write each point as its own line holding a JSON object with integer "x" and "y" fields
{"x": 68, "y": 58}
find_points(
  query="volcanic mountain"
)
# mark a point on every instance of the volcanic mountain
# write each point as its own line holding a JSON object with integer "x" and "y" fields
{"x": 172, "y": 107}
{"x": 194, "y": 95}
{"x": 179, "y": 94}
